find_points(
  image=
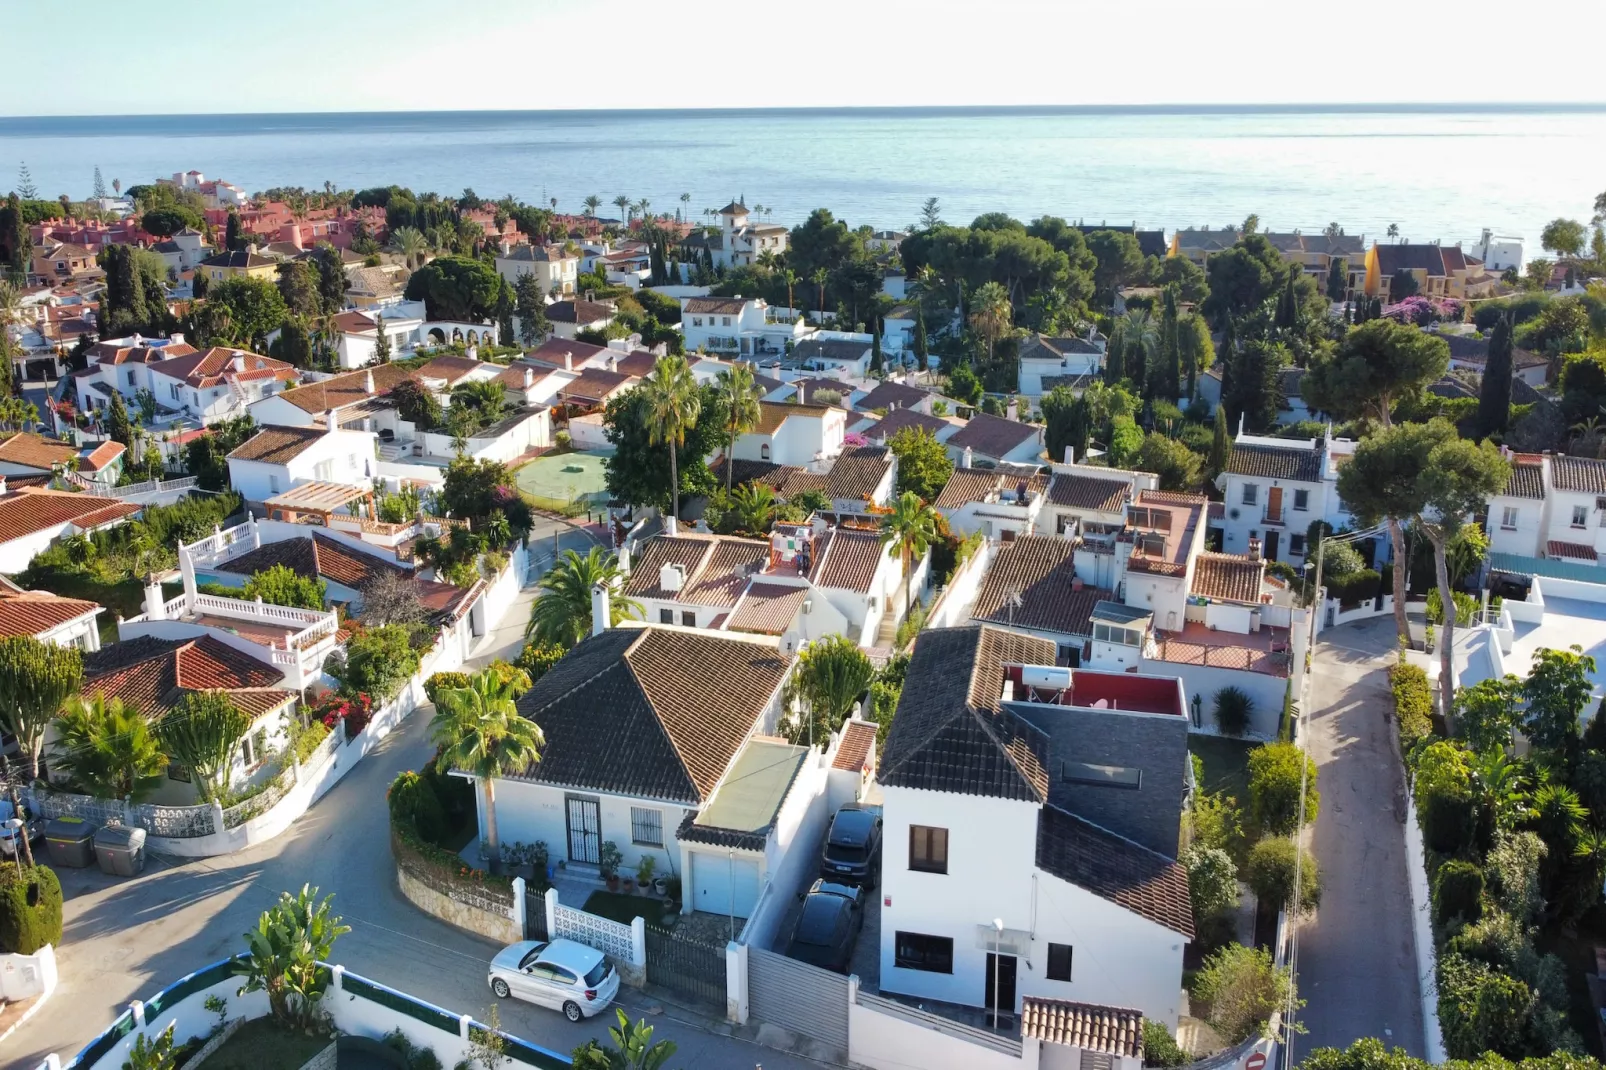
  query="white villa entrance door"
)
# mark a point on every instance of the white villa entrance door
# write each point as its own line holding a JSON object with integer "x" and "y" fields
{"x": 585, "y": 830}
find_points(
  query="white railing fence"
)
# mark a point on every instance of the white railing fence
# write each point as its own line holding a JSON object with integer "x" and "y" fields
{"x": 945, "y": 1026}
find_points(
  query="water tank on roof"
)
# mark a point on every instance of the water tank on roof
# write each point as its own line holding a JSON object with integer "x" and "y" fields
{"x": 1045, "y": 677}
{"x": 671, "y": 578}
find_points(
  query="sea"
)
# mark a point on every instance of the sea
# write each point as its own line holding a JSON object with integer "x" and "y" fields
{"x": 1438, "y": 173}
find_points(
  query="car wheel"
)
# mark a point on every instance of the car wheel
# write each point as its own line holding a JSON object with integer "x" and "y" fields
{"x": 500, "y": 987}
{"x": 571, "y": 1011}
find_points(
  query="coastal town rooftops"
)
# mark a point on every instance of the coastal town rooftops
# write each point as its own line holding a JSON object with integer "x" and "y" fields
{"x": 718, "y": 306}
{"x": 348, "y": 389}
{"x": 238, "y": 258}
{"x": 898, "y": 419}
{"x": 1032, "y": 584}
{"x": 710, "y": 570}
{"x": 101, "y": 456}
{"x": 354, "y": 323}
{"x": 891, "y": 396}
{"x": 1044, "y": 347}
{"x": 1229, "y": 577}
{"x": 37, "y": 612}
{"x": 1300, "y": 461}
{"x": 1162, "y": 526}
{"x": 650, "y": 712}
{"x": 1527, "y": 478}
{"x": 841, "y": 349}
{"x": 203, "y": 370}
{"x": 970, "y": 485}
{"x": 1075, "y": 491}
{"x": 858, "y": 472}
{"x": 449, "y": 368}
{"x": 564, "y": 352}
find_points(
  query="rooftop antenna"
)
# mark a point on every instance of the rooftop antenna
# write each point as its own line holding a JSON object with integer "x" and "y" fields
{"x": 1013, "y": 601}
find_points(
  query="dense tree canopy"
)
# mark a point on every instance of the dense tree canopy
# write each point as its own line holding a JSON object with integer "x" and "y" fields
{"x": 638, "y": 472}
{"x": 456, "y": 288}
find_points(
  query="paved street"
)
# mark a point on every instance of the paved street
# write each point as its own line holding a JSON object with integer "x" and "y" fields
{"x": 126, "y": 939}
{"x": 1357, "y": 965}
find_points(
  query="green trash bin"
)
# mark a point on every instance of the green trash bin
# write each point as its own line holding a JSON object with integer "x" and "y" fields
{"x": 120, "y": 850}
{"x": 70, "y": 841}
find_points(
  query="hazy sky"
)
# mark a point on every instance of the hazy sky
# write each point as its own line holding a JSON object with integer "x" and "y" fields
{"x": 186, "y": 56}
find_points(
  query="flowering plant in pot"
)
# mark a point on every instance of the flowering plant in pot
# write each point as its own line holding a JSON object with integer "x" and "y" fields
{"x": 608, "y": 859}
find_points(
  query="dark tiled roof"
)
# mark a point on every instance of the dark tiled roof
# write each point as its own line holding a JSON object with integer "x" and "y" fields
{"x": 312, "y": 557}
{"x": 898, "y": 419}
{"x": 849, "y": 560}
{"x": 858, "y": 472}
{"x": 890, "y": 395}
{"x": 1088, "y": 492}
{"x": 830, "y": 349}
{"x": 277, "y": 445}
{"x": 1579, "y": 474}
{"x": 1527, "y": 479}
{"x": 737, "y": 839}
{"x": 579, "y": 312}
{"x": 1113, "y": 868}
{"x": 1039, "y": 569}
{"x": 1275, "y": 462}
{"x": 710, "y": 563}
{"x": 1228, "y": 577}
{"x": 1112, "y": 1030}
{"x": 951, "y": 732}
{"x": 1392, "y": 258}
{"x": 991, "y": 436}
{"x": 649, "y": 712}
{"x": 1044, "y": 347}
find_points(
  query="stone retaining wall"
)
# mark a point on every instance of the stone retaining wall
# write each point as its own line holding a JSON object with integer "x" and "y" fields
{"x": 501, "y": 928}
{"x": 327, "y": 1059}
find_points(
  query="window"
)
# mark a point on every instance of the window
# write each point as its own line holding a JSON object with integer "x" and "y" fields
{"x": 323, "y": 470}
{"x": 255, "y": 748}
{"x": 666, "y": 616}
{"x": 1059, "y": 962}
{"x": 175, "y": 391}
{"x": 1580, "y": 516}
{"x": 725, "y": 321}
{"x": 1102, "y": 776}
{"x": 646, "y": 827}
{"x": 917, "y": 951}
{"x": 1508, "y": 518}
{"x": 1296, "y": 544}
{"x": 1251, "y": 493}
{"x": 764, "y": 451}
{"x": 688, "y": 618}
{"x": 273, "y": 484}
{"x": 697, "y": 321}
{"x": 928, "y": 849}
{"x": 1301, "y": 500}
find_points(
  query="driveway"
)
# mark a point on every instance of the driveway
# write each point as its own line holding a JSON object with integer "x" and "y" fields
{"x": 125, "y": 939}
{"x": 1356, "y": 962}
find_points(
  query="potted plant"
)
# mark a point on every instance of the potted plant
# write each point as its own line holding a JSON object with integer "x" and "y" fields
{"x": 518, "y": 858}
{"x": 672, "y": 890}
{"x": 541, "y": 863}
{"x": 644, "y": 873}
{"x": 608, "y": 859}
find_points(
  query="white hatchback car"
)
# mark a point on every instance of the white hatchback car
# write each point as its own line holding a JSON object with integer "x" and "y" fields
{"x": 561, "y": 974}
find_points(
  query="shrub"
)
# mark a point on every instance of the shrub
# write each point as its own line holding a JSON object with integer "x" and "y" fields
{"x": 1275, "y": 784}
{"x": 282, "y": 586}
{"x": 412, "y": 799}
{"x": 1242, "y": 987}
{"x": 443, "y": 681}
{"x": 1353, "y": 588}
{"x": 537, "y": 659}
{"x": 30, "y": 909}
{"x": 1270, "y": 873}
{"x": 378, "y": 661}
{"x": 1215, "y": 821}
{"x": 1232, "y": 707}
{"x": 1212, "y": 879}
{"x": 356, "y": 710}
{"x": 1466, "y": 607}
{"x": 1159, "y": 1049}
{"x": 1413, "y": 702}
{"x": 1447, "y": 807}
{"x": 1512, "y": 874}
{"x": 1457, "y": 892}
{"x": 1480, "y": 1009}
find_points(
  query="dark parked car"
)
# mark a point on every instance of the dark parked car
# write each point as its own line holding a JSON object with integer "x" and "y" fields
{"x": 853, "y": 847}
{"x": 828, "y": 926}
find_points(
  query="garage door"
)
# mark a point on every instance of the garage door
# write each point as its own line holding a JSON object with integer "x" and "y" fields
{"x": 724, "y": 885}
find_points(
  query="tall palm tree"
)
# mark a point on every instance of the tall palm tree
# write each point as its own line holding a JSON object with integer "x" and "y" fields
{"x": 818, "y": 279}
{"x": 642, "y": 207}
{"x": 672, "y": 407}
{"x": 480, "y": 732}
{"x": 790, "y": 277}
{"x": 741, "y": 394}
{"x": 991, "y": 314}
{"x": 561, "y": 616}
{"x": 1135, "y": 337}
{"x": 685, "y": 200}
{"x": 910, "y": 529}
{"x": 109, "y": 749}
{"x": 623, "y": 204}
{"x": 592, "y": 203}
{"x": 411, "y": 244}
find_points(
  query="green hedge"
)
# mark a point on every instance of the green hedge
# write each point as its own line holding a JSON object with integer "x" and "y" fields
{"x": 30, "y": 909}
{"x": 1353, "y": 588}
{"x": 443, "y": 681}
{"x": 1413, "y": 702}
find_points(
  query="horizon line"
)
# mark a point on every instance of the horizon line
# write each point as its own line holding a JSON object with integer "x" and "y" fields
{"x": 1203, "y": 108}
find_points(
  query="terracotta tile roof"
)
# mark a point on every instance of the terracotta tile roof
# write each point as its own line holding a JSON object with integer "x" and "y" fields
{"x": 29, "y": 511}
{"x": 719, "y": 306}
{"x": 1112, "y": 1030}
{"x": 35, "y": 451}
{"x": 1040, "y": 570}
{"x": 277, "y": 445}
{"x": 237, "y": 258}
{"x": 217, "y": 364}
{"x": 767, "y": 608}
{"x": 639, "y": 363}
{"x": 315, "y": 556}
{"x": 1578, "y": 474}
{"x": 578, "y": 312}
{"x": 1148, "y": 884}
{"x": 898, "y": 419}
{"x": 686, "y": 551}
{"x": 1228, "y": 577}
{"x": 1570, "y": 551}
{"x": 35, "y": 612}
{"x": 842, "y": 349}
{"x": 153, "y": 674}
{"x": 103, "y": 455}
{"x": 951, "y": 732}
{"x": 595, "y": 386}
{"x": 890, "y": 396}
{"x": 449, "y": 368}
{"x": 650, "y": 713}
{"x": 1087, "y": 492}
{"x": 854, "y": 751}
{"x": 1273, "y": 462}
{"x": 553, "y": 350}
{"x": 354, "y": 323}
{"x": 992, "y": 436}
{"x": 849, "y": 560}
{"x": 967, "y": 485}
{"x": 512, "y": 376}
{"x": 1527, "y": 478}
{"x": 858, "y": 472}
{"x": 347, "y": 389}
{"x": 725, "y": 572}
{"x": 774, "y": 413}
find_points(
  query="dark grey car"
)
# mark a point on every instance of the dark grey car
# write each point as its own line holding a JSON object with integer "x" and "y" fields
{"x": 828, "y": 926}
{"x": 852, "y": 852}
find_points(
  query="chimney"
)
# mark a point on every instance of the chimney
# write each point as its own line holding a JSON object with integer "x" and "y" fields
{"x": 600, "y": 608}
{"x": 368, "y": 382}
{"x": 966, "y": 458}
{"x": 529, "y": 377}
{"x": 329, "y": 420}
{"x": 613, "y": 362}
{"x": 1070, "y": 454}
{"x": 802, "y": 393}
{"x": 671, "y": 526}
{"x": 239, "y": 361}
{"x": 568, "y": 361}
{"x": 154, "y": 602}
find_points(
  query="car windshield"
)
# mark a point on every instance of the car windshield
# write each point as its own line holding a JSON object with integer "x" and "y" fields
{"x": 530, "y": 956}
{"x": 822, "y": 919}
{"x": 851, "y": 828}
{"x": 842, "y": 853}
{"x": 598, "y": 972}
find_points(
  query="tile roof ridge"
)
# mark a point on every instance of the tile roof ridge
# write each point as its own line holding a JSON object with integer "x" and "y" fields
{"x": 1113, "y": 835}
{"x": 987, "y": 727}
{"x": 657, "y": 719}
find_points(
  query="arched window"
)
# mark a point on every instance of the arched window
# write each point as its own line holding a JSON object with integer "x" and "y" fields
{"x": 764, "y": 452}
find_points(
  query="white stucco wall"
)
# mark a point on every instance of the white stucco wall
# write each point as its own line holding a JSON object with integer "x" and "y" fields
{"x": 528, "y": 812}
{"x": 1526, "y": 537}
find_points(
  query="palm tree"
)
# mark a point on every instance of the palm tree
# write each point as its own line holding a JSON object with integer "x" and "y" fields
{"x": 818, "y": 279}
{"x": 991, "y": 314}
{"x": 1135, "y": 335}
{"x": 641, "y": 208}
{"x": 910, "y": 529}
{"x": 623, "y": 204}
{"x": 1394, "y": 230}
{"x": 107, "y": 748}
{"x": 480, "y": 732}
{"x": 672, "y": 406}
{"x": 561, "y": 616}
{"x": 754, "y": 505}
{"x": 592, "y": 203}
{"x": 685, "y": 199}
{"x": 741, "y": 394}
{"x": 791, "y": 279}
{"x": 1501, "y": 788}
{"x": 411, "y": 244}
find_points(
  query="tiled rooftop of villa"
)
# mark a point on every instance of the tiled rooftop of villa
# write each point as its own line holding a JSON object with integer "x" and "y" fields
{"x": 1264, "y": 651}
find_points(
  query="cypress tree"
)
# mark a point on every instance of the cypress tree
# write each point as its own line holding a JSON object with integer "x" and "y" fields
{"x": 1494, "y": 399}
{"x": 920, "y": 339}
{"x": 231, "y": 233}
{"x": 1337, "y": 278}
{"x": 382, "y": 343}
{"x": 1113, "y": 364}
{"x": 1221, "y": 444}
{"x": 876, "y": 364}
{"x": 1288, "y": 304}
{"x": 1376, "y": 311}
{"x": 117, "y": 423}
{"x": 1227, "y": 356}
{"x": 1166, "y": 375}
{"x": 14, "y": 236}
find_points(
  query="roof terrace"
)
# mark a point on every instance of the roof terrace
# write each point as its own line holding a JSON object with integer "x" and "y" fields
{"x": 1055, "y": 685}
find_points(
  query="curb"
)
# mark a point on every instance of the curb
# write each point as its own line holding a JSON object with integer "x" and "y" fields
{"x": 27, "y": 1014}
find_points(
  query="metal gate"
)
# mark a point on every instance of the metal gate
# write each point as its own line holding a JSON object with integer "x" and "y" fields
{"x": 796, "y": 996}
{"x": 535, "y": 915}
{"x": 689, "y": 968}
{"x": 585, "y": 830}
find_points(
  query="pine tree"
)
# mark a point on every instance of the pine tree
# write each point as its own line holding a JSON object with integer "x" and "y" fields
{"x": 1166, "y": 375}
{"x": 1494, "y": 399}
{"x": 100, "y": 185}
{"x": 1221, "y": 444}
{"x": 381, "y": 343}
{"x": 25, "y": 187}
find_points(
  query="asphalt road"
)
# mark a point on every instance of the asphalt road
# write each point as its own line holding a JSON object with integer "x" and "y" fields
{"x": 1356, "y": 962}
{"x": 126, "y": 939}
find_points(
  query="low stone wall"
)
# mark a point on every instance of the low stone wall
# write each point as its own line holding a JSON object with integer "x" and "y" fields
{"x": 327, "y": 1059}
{"x": 228, "y": 1030}
{"x": 501, "y": 928}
